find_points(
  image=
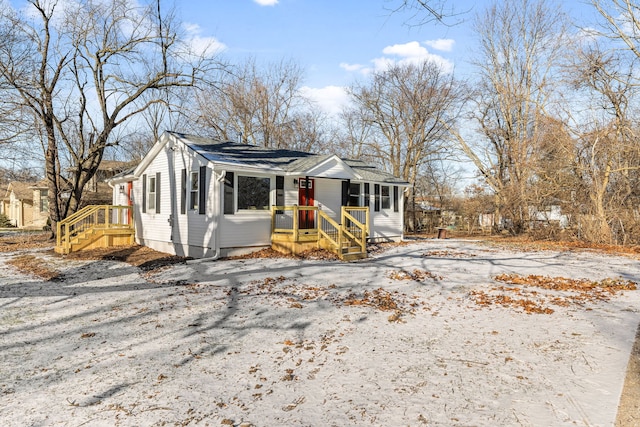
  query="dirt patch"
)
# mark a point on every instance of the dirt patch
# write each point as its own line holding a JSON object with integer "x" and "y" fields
{"x": 139, "y": 256}
{"x": 32, "y": 265}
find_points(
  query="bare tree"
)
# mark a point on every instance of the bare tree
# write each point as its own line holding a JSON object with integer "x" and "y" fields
{"x": 425, "y": 11}
{"x": 520, "y": 44}
{"x": 82, "y": 70}
{"x": 402, "y": 116}
{"x": 261, "y": 106}
{"x": 606, "y": 156}
{"x": 621, "y": 22}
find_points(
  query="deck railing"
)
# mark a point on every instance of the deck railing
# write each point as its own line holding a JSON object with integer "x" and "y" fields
{"x": 309, "y": 223}
{"x": 90, "y": 218}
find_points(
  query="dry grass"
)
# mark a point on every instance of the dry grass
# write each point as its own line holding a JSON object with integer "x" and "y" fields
{"x": 33, "y": 265}
{"x": 19, "y": 241}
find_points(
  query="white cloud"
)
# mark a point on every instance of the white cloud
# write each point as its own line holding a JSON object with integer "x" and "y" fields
{"x": 331, "y": 99}
{"x": 201, "y": 45}
{"x": 351, "y": 67}
{"x": 445, "y": 45}
{"x": 407, "y": 50}
{"x": 266, "y": 2}
{"x": 400, "y": 54}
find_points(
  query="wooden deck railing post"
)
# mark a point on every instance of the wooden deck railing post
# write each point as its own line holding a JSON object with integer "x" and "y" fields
{"x": 296, "y": 221}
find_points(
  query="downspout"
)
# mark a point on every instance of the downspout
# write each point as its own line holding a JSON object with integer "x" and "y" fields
{"x": 216, "y": 216}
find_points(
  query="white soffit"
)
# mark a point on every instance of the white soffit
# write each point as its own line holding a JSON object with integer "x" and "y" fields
{"x": 333, "y": 167}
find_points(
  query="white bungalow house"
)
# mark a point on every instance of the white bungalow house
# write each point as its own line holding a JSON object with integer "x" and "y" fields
{"x": 202, "y": 198}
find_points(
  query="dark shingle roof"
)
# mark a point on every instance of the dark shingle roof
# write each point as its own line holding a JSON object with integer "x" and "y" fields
{"x": 275, "y": 158}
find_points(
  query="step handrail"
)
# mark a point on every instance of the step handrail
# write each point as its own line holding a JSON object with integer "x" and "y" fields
{"x": 323, "y": 216}
{"x": 86, "y": 216}
{"x": 362, "y": 240}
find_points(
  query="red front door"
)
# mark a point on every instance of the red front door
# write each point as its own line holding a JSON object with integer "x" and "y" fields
{"x": 306, "y": 198}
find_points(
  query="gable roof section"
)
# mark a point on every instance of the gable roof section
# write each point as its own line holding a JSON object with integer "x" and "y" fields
{"x": 21, "y": 190}
{"x": 290, "y": 162}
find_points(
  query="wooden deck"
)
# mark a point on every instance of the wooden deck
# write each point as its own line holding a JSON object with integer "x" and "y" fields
{"x": 95, "y": 226}
{"x": 295, "y": 229}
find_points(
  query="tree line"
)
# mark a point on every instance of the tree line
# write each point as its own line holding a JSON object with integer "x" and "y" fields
{"x": 546, "y": 117}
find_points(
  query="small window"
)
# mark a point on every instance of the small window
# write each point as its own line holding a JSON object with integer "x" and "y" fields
{"x": 151, "y": 198}
{"x": 194, "y": 196}
{"x": 354, "y": 195}
{"x": 253, "y": 193}
{"x": 386, "y": 197}
{"x": 44, "y": 200}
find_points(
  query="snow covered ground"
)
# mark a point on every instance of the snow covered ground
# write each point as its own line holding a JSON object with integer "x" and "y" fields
{"x": 268, "y": 342}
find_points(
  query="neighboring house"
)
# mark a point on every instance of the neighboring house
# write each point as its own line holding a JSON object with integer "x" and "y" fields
{"x": 197, "y": 197}
{"x": 26, "y": 204}
{"x": 97, "y": 191}
{"x": 549, "y": 214}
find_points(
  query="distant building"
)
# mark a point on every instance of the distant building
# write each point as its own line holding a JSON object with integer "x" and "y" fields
{"x": 26, "y": 204}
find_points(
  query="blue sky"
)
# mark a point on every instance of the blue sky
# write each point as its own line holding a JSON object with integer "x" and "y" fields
{"x": 336, "y": 41}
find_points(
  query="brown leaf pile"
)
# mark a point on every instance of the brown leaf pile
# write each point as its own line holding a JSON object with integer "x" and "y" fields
{"x": 533, "y": 293}
{"x": 378, "y": 298}
{"x": 311, "y": 254}
{"x": 417, "y": 275}
{"x": 447, "y": 254}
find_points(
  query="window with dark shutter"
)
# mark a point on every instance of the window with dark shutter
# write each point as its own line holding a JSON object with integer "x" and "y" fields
{"x": 354, "y": 194}
{"x": 194, "y": 185}
{"x": 386, "y": 197}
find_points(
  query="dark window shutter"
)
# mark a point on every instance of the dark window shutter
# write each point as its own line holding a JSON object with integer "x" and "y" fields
{"x": 345, "y": 193}
{"x": 367, "y": 195}
{"x": 183, "y": 192}
{"x": 229, "y": 207}
{"x": 144, "y": 193}
{"x": 279, "y": 190}
{"x": 376, "y": 190}
{"x": 158, "y": 192}
{"x": 203, "y": 190}
{"x": 396, "y": 206}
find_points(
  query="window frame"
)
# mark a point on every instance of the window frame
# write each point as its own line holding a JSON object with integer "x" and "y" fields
{"x": 355, "y": 197}
{"x": 258, "y": 207}
{"x": 44, "y": 201}
{"x": 151, "y": 193}
{"x": 385, "y": 199}
{"x": 194, "y": 194}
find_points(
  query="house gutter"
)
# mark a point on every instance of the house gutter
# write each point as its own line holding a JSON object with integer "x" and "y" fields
{"x": 216, "y": 231}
